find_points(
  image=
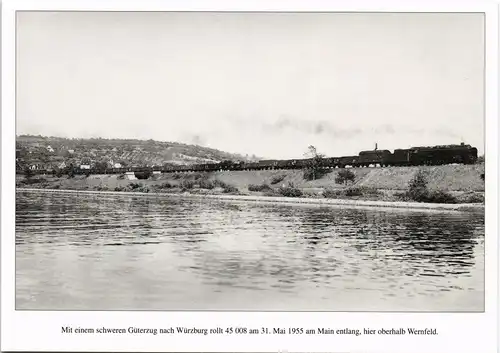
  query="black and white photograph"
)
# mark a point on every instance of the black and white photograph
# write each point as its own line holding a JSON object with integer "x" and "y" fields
{"x": 250, "y": 161}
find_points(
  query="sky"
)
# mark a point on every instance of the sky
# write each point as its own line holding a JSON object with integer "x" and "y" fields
{"x": 268, "y": 84}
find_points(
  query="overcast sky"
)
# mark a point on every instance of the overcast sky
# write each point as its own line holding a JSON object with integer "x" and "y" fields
{"x": 265, "y": 84}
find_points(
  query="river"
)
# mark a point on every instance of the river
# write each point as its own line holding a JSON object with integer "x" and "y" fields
{"x": 123, "y": 252}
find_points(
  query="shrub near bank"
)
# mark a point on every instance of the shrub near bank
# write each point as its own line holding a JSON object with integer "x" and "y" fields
{"x": 471, "y": 198}
{"x": 344, "y": 176}
{"x": 277, "y": 179}
{"x": 226, "y": 188}
{"x": 207, "y": 184}
{"x": 259, "y": 188}
{"x": 418, "y": 191}
{"x": 360, "y": 191}
{"x": 289, "y": 191}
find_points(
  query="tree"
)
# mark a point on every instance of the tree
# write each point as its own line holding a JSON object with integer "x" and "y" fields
{"x": 28, "y": 173}
{"x": 344, "y": 176}
{"x": 311, "y": 152}
{"x": 314, "y": 168}
{"x": 417, "y": 187}
{"x": 101, "y": 166}
{"x": 71, "y": 171}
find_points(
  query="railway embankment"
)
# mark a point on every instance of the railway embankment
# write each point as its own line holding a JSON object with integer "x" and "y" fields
{"x": 449, "y": 184}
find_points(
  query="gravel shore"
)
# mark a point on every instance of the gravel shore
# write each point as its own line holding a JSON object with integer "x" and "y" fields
{"x": 283, "y": 200}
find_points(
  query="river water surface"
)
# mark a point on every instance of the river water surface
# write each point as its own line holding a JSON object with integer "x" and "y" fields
{"x": 104, "y": 252}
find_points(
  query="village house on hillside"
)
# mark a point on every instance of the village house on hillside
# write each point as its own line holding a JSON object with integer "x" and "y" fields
{"x": 85, "y": 163}
{"x": 37, "y": 165}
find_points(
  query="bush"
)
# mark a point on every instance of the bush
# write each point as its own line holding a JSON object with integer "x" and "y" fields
{"x": 352, "y": 192}
{"x": 121, "y": 177}
{"x": 71, "y": 172}
{"x": 230, "y": 189}
{"x": 277, "y": 179}
{"x": 344, "y": 176}
{"x": 221, "y": 184}
{"x": 417, "y": 187}
{"x": 166, "y": 185}
{"x": 290, "y": 191}
{"x": 134, "y": 186}
{"x": 28, "y": 173}
{"x": 332, "y": 193}
{"x": 417, "y": 191}
{"x": 119, "y": 188}
{"x": 198, "y": 176}
{"x": 439, "y": 196}
{"x": 272, "y": 192}
{"x": 261, "y": 188}
{"x": 315, "y": 173}
{"x": 402, "y": 196}
{"x": 187, "y": 184}
{"x": 211, "y": 184}
{"x": 207, "y": 184}
{"x": 472, "y": 198}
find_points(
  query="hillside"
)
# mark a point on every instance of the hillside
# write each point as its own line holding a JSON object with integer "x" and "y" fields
{"x": 49, "y": 152}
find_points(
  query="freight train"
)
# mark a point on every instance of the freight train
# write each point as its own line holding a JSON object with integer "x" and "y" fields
{"x": 414, "y": 156}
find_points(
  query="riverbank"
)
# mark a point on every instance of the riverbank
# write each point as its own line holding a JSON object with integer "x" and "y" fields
{"x": 281, "y": 200}
{"x": 453, "y": 184}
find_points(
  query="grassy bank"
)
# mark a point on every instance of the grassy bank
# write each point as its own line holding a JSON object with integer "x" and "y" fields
{"x": 452, "y": 184}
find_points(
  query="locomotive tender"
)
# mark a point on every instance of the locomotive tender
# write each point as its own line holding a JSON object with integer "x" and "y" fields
{"x": 413, "y": 156}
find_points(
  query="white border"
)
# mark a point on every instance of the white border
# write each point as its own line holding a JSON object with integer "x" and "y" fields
{"x": 41, "y": 331}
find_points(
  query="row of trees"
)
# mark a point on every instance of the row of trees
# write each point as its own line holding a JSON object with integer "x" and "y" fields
{"x": 58, "y": 172}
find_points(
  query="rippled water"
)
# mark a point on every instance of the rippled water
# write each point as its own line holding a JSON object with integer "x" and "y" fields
{"x": 102, "y": 252}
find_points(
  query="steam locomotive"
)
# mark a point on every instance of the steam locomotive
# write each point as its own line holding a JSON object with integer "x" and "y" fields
{"x": 414, "y": 156}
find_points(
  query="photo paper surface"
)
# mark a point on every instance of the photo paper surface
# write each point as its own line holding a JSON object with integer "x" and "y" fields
{"x": 245, "y": 176}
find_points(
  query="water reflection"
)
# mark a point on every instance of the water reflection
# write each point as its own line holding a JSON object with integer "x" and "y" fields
{"x": 173, "y": 253}
{"x": 441, "y": 238}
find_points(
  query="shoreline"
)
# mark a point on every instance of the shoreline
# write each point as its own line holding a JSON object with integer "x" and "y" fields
{"x": 419, "y": 206}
